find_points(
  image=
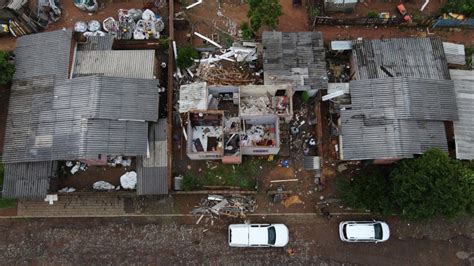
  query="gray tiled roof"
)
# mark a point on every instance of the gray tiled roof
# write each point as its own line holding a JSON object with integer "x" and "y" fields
{"x": 152, "y": 172}
{"x": 28, "y": 180}
{"x": 76, "y": 118}
{"x": 94, "y": 43}
{"x": 380, "y": 134}
{"x": 464, "y": 127}
{"x": 411, "y": 98}
{"x": 406, "y": 57}
{"x": 116, "y": 63}
{"x": 296, "y": 58}
{"x": 43, "y": 54}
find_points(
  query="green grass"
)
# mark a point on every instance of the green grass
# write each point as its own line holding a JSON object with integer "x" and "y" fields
{"x": 5, "y": 203}
{"x": 243, "y": 176}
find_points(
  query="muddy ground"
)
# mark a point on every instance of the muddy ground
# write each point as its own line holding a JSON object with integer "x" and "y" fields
{"x": 177, "y": 241}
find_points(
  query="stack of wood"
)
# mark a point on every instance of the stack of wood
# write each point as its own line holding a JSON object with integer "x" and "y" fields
{"x": 217, "y": 74}
{"x": 232, "y": 206}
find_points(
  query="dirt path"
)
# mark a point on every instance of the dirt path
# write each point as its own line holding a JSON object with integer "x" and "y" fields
{"x": 168, "y": 241}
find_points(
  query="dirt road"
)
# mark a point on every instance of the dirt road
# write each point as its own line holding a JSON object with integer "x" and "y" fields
{"x": 172, "y": 241}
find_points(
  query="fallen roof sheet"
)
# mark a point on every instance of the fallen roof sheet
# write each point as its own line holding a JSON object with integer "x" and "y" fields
{"x": 78, "y": 118}
{"x": 116, "y": 63}
{"x": 296, "y": 58}
{"x": 405, "y": 57}
{"x": 411, "y": 98}
{"x": 152, "y": 171}
{"x": 464, "y": 127}
{"x": 193, "y": 97}
{"x": 380, "y": 134}
{"x": 43, "y": 54}
{"x": 28, "y": 180}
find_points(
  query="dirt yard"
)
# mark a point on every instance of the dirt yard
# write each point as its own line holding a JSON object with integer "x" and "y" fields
{"x": 178, "y": 241}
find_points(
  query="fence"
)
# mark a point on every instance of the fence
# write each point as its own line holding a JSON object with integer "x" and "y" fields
{"x": 454, "y": 23}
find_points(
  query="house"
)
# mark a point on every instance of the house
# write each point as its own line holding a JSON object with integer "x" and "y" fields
{"x": 232, "y": 121}
{"x": 296, "y": 59}
{"x": 401, "y": 97}
{"x": 346, "y": 6}
{"x": 88, "y": 117}
{"x": 464, "y": 127}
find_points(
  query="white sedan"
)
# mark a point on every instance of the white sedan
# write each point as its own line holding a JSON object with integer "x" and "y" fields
{"x": 371, "y": 231}
{"x": 258, "y": 235}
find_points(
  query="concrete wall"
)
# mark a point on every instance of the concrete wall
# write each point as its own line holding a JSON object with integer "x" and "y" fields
{"x": 262, "y": 120}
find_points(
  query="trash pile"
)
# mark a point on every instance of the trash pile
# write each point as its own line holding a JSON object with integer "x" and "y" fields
{"x": 87, "y": 5}
{"x": 103, "y": 185}
{"x": 134, "y": 24}
{"x": 91, "y": 28}
{"x": 76, "y": 166}
{"x": 118, "y": 160}
{"x": 129, "y": 180}
{"x": 49, "y": 10}
{"x": 231, "y": 206}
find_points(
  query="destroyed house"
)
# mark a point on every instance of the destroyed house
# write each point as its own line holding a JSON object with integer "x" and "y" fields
{"x": 295, "y": 58}
{"x": 236, "y": 121}
{"x": 52, "y": 118}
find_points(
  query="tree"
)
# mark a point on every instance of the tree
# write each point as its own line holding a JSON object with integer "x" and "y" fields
{"x": 7, "y": 69}
{"x": 263, "y": 12}
{"x": 186, "y": 56}
{"x": 370, "y": 190}
{"x": 247, "y": 32}
{"x": 433, "y": 185}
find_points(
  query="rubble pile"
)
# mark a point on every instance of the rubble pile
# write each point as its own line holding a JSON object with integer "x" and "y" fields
{"x": 232, "y": 206}
{"x": 217, "y": 74}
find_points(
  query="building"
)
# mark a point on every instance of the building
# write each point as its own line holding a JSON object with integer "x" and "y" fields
{"x": 295, "y": 58}
{"x": 401, "y": 97}
{"x": 95, "y": 114}
{"x": 464, "y": 127}
{"x": 346, "y": 6}
{"x": 234, "y": 121}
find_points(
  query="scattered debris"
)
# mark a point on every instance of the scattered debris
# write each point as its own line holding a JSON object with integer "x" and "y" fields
{"x": 67, "y": 190}
{"x": 232, "y": 206}
{"x": 292, "y": 200}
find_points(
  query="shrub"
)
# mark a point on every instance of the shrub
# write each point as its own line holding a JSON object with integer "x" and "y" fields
{"x": 373, "y": 14}
{"x": 247, "y": 33}
{"x": 7, "y": 69}
{"x": 186, "y": 56}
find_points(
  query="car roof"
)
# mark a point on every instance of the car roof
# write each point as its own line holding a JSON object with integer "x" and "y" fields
{"x": 360, "y": 231}
{"x": 258, "y": 236}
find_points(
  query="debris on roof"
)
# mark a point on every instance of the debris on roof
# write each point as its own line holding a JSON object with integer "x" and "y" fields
{"x": 193, "y": 97}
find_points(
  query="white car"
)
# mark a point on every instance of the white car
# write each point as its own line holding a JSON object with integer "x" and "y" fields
{"x": 258, "y": 235}
{"x": 374, "y": 231}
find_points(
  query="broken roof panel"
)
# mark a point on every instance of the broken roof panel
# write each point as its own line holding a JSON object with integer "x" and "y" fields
{"x": 405, "y": 57}
{"x": 464, "y": 127}
{"x": 380, "y": 134}
{"x": 193, "y": 97}
{"x": 28, "y": 180}
{"x": 296, "y": 58}
{"x": 116, "y": 63}
{"x": 411, "y": 98}
{"x": 43, "y": 54}
{"x": 75, "y": 118}
{"x": 455, "y": 53}
{"x": 97, "y": 43}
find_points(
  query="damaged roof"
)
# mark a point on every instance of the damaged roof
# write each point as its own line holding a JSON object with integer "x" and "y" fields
{"x": 296, "y": 58}
{"x": 380, "y": 134}
{"x": 78, "y": 118}
{"x": 43, "y": 54}
{"x": 400, "y": 57}
{"x": 152, "y": 171}
{"x": 464, "y": 127}
{"x": 115, "y": 63}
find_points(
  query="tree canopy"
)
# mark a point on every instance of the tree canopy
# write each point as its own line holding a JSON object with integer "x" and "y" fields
{"x": 7, "y": 69}
{"x": 186, "y": 55}
{"x": 262, "y": 12}
{"x": 429, "y": 186}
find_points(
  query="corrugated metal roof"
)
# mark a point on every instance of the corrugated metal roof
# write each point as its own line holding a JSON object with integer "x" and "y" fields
{"x": 116, "y": 63}
{"x": 77, "y": 118}
{"x": 379, "y": 134}
{"x": 464, "y": 127}
{"x": 95, "y": 43}
{"x": 296, "y": 58}
{"x": 28, "y": 180}
{"x": 455, "y": 53}
{"x": 152, "y": 171}
{"x": 43, "y": 54}
{"x": 411, "y": 98}
{"x": 406, "y": 57}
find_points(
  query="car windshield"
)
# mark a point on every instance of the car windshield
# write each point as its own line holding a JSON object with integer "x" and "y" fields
{"x": 344, "y": 231}
{"x": 271, "y": 235}
{"x": 378, "y": 231}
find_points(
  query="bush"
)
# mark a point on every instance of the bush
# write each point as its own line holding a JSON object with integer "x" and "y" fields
{"x": 5, "y": 203}
{"x": 186, "y": 56}
{"x": 6, "y": 68}
{"x": 373, "y": 14}
{"x": 247, "y": 33}
{"x": 263, "y": 12}
{"x": 370, "y": 190}
{"x": 465, "y": 7}
{"x": 191, "y": 182}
